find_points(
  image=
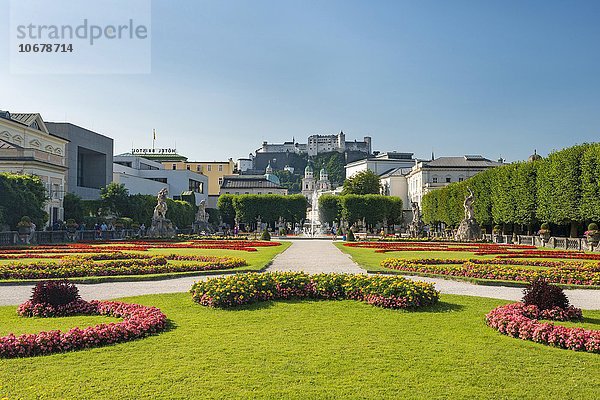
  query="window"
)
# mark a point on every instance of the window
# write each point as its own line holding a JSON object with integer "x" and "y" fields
{"x": 259, "y": 193}
{"x": 187, "y": 167}
{"x": 246, "y": 192}
{"x": 174, "y": 166}
{"x": 226, "y": 192}
{"x": 195, "y": 186}
{"x": 434, "y": 180}
{"x": 209, "y": 168}
{"x": 220, "y": 168}
{"x": 460, "y": 179}
{"x": 448, "y": 180}
{"x": 199, "y": 168}
{"x": 220, "y": 180}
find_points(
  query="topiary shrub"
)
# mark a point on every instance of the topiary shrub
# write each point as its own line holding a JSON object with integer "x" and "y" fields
{"x": 545, "y": 296}
{"x": 55, "y": 293}
{"x": 545, "y": 226}
{"x": 593, "y": 227}
{"x": 265, "y": 235}
{"x": 350, "y": 237}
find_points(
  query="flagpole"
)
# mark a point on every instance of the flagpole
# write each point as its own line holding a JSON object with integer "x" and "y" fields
{"x": 153, "y": 138}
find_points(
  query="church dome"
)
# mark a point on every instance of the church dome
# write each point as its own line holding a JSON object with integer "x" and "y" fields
{"x": 273, "y": 178}
{"x": 308, "y": 168}
{"x": 535, "y": 156}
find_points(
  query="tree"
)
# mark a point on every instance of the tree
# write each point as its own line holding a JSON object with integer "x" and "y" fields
{"x": 72, "y": 204}
{"x": 364, "y": 182}
{"x": 115, "y": 197}
{"x": 590, "y": 183}
{"x": 330, "y": 209}
{"x": 22, "y": 195}
{"x": 225, "y": 206}
{"x": 559, "y": 188}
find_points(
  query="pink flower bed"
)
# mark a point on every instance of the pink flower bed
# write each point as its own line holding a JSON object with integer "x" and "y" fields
{"x": 138, "y": 321}
{"x": 521, "y": 321}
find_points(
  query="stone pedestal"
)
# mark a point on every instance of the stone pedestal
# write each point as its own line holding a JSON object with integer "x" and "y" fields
{"x": 203, "y": 226}
{"x": 161, "y": 228}
{"x": 468, "y": 230}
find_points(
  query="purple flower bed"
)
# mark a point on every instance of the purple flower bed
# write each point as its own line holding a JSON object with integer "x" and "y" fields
{"x": 521, "y": 321}
{"x": 138, "y": 321}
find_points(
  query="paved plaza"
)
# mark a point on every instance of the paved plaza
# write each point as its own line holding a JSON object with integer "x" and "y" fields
{"x": 311, "y": 256}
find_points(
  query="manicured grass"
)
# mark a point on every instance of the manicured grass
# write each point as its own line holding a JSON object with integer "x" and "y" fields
{"x": 371, "y": 261}
{"x": 257, "y": 261}
{"x": 311, "y": 349}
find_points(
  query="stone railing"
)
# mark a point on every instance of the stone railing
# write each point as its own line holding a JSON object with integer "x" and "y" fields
{"x": 553, "y": 243}
{"x": 12, "y": 238}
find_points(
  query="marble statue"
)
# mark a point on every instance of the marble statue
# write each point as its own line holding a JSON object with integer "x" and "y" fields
{"x": 161, "y": 226}
{"x": 469, "y": 229}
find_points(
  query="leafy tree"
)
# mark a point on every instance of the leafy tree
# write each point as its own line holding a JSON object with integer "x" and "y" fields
{"x": 22, "y": 195}
{"x": 559, "y": 188}
{"x": 181, "y": 213}
{"x": 330, "y": 209}
{"x": 292, "y": 182}
{"x": 225, "y": 206}
{"x": 114, "y": 198}
{"x": 364, "y": 182}
{"x": 73, "y": 207}
{"x": 590, "y": 183}
{"x": 525, "y": 193}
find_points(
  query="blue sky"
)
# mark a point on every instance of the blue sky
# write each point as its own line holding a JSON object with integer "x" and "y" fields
{"x": 497, "y": 78}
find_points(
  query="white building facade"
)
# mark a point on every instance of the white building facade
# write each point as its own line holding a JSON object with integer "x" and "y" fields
{"x": 26, "y": 147}
{"x": 143, "y": 176}
{"x": 426, "y": 176}
{"x": 381, "y": 164}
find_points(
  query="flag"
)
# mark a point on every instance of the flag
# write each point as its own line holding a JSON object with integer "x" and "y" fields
{"x": 154, "y": 133}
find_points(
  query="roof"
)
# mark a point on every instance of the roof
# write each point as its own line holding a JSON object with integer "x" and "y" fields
{"x": 468, "y": 161}
{"x": 248, "y": 182}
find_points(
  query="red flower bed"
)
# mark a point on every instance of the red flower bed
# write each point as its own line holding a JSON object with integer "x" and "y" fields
{"x": 383, "y": 247}
{"x": 521, "y": 321}
{"x": 17, "y": 252}
{"x": 138, "y": 321}
{"x": 482, "y": 269}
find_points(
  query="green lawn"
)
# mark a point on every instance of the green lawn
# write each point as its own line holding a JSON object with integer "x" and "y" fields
{"x": 308, "y": 349}
{"x": 257, "y": 260}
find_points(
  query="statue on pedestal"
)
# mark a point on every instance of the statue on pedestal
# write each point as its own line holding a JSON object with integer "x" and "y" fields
{"x": 415, "y": 229}
{"x": 469, "y": 229}
{"x": 161, "y": 226}
{"x": 201, "y": 224}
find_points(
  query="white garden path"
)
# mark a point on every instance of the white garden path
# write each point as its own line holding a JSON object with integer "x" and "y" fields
{"x": 311, "y": 256}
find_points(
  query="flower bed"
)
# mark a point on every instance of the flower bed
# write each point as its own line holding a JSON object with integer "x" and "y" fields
{"x": 566, "y": 274}
{"x": 383, "y": 291}
{"x": 384, "y": 247}
{"x": 78, "y": 266}
{"x": 521, "y": 321}
{"x": 138, "y": 321}
{"x": 42, "y": 251}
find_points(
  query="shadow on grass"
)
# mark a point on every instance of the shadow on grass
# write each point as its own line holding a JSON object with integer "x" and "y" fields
{"x": 440, "y": 307}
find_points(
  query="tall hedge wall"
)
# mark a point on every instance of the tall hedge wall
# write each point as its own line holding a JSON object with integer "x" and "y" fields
{"x": 562, "y": 189}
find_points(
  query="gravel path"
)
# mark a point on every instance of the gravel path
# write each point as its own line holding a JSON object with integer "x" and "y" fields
{"x": 311, "y": 256}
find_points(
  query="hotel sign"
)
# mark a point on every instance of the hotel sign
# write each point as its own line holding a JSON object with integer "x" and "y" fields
{"x": 141, "y": 152}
